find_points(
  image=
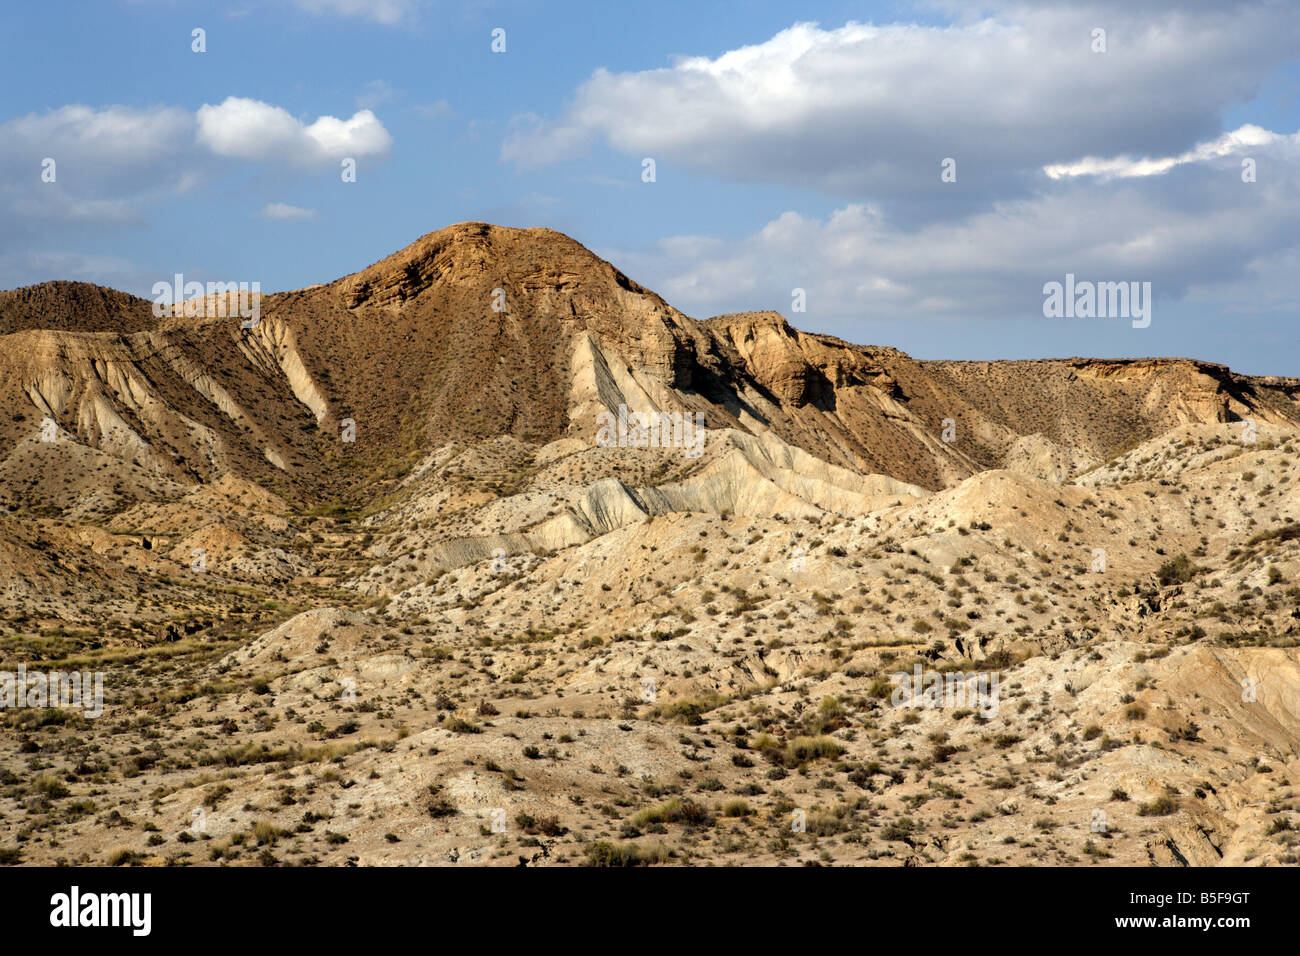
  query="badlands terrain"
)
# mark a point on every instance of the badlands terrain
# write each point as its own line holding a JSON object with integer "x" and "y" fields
{"x": 366, "y": 589}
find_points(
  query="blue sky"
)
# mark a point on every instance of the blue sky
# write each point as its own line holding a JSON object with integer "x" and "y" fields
{"x": 795, "y": 146}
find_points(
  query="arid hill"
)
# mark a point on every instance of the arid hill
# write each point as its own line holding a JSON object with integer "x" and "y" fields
{"x": 476, "y": 331}
{"x": 73, "y": 307}
{"x": 485, "y": 633}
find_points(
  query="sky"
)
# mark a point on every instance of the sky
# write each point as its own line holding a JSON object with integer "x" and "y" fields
{"x": 906, "y": 174}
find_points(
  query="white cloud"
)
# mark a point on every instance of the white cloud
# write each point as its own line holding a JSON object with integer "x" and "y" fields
{"x": 374, "y": 93}
{"x": 116, "y": 145}
{"x": 30, "y": 267}
{"x": 387, "y": 12}
{"x": 107, "y": 164}
{"x": 250, "y": 129}
{"x": 866, "y": 110}
{"x": 286, "y": 212}
{"x": 440, "y": 108}
{"x": 112, "y": 163}
{"x": 53, "y": 204}
{"x": 1123, "y": 167}
{"x": 856, "y": 264}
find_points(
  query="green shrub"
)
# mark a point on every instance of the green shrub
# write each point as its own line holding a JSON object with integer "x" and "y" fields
{"x": 605, "y": 853}
{"x": 673, "y": 811}
{"x": 1161, "y": 806}
{"x": 736, "y": 808}
{"x": 1177, "y": 570}
{"x": 803, "y": 749}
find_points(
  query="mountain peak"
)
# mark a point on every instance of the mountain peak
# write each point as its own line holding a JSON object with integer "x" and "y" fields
{"x": 469, "y": 253}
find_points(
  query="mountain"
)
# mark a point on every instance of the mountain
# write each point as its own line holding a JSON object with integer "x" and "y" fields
{"x": 73, "y": 307}
{"x": 496, "y": 607}
{"x": 415, "y": 352}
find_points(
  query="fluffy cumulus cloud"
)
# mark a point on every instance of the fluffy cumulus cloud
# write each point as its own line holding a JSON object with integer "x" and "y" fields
{"x": 76, "y": 168}
{"x": 1111, "y": 164}
{"x": 122, "y": 147}
{"x": 865, "y": 110}
{"x": 856, "y": 264}
{"x": 250, "y": 129}
{"x": 113, "y": 147}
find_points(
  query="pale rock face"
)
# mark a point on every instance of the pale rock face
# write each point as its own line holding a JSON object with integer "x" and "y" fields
{"x": 1043, "y": 458}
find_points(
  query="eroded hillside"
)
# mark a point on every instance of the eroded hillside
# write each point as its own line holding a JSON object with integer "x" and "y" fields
{"x": 483, "y": 633}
